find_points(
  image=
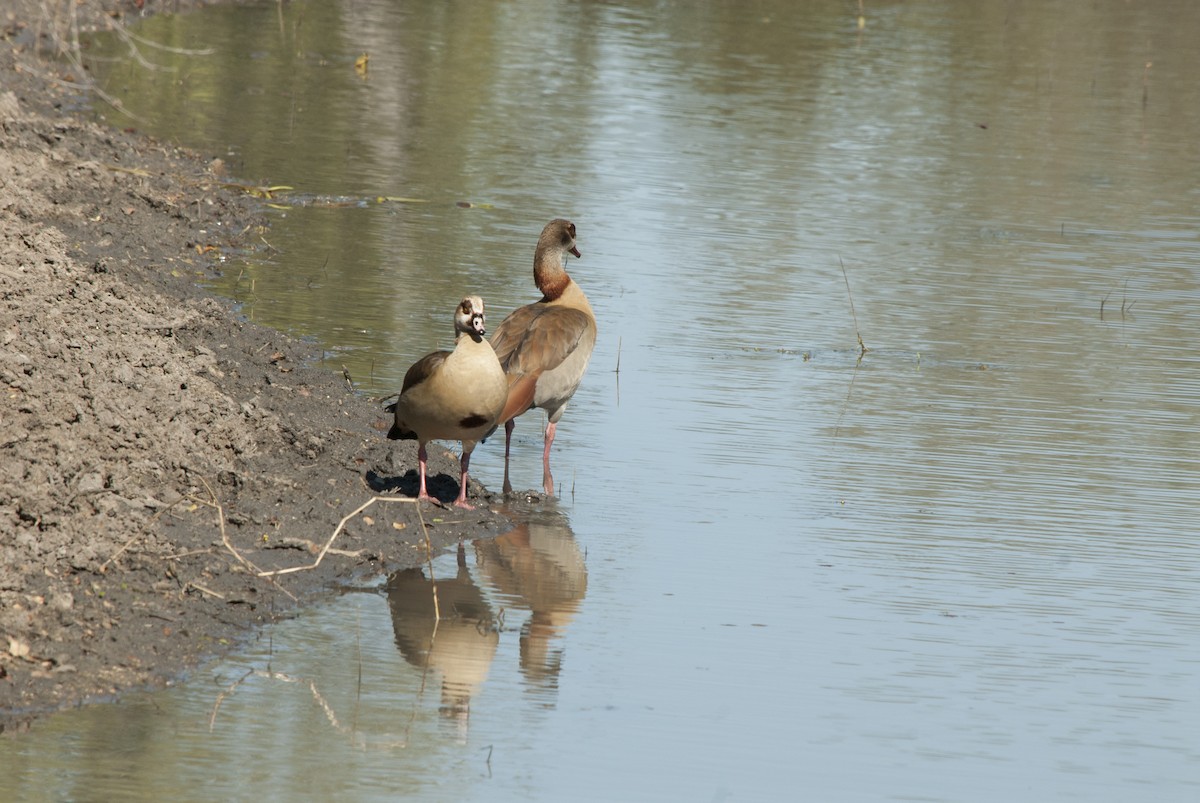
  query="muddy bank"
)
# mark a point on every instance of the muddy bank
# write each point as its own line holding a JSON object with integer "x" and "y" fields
{"x": 157, "y": 452}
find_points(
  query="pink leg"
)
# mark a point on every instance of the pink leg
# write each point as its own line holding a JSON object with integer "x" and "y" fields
{"x": 508, "y": 431}
{"x": 547, "y": 477}
{"x": 422, "y": 493}
{"x": 461, "y": 501}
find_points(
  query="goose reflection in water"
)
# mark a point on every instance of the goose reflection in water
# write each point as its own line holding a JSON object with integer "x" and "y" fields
{"x": 458, "y": 647}
{"x": 537, "y": 566}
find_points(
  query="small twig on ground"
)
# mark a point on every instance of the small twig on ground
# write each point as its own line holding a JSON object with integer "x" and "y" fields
{"x": 336, "y": 532}
{"x": 342, "y": 524}
{"x": 89, "y": 492}
{"x": 188, "y": 554}
{"x": 215, "y": 503}
{"x": 305, "y": 545}
{"x": 204, "y": 590}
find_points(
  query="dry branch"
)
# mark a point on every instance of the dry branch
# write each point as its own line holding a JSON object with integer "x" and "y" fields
{"x": 216, "y": 503}
{"x": 341, "y": 526}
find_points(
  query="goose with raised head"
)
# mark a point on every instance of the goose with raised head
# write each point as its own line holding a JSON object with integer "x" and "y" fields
{"x": 452, "y": 395}
{"x": 544, "y": 347}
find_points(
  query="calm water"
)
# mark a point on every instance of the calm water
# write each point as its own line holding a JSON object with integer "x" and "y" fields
{"x": 962, "y": 567}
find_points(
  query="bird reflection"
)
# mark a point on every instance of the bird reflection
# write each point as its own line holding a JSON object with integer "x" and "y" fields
{"x": 538, "y": 566}
{"x": 459, "y": 646}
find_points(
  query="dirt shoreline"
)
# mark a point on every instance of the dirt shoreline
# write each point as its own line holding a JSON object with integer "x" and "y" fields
{"x": 135, "y": 403}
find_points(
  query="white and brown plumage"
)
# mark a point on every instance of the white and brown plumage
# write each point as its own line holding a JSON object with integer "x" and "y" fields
{"x": 452, "y": 395}
{"x": 544, "y": 347}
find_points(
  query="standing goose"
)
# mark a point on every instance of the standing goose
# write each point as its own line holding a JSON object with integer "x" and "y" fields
{"x": 544, "y": 347}
{"x": 452, "y": 395}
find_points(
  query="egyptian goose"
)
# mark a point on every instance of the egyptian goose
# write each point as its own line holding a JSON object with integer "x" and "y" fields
{"x": 452, "y": 395}
{"x": 544, "y": 347}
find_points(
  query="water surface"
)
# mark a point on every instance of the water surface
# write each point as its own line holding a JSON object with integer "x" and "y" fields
{"x": 960, "y": 566}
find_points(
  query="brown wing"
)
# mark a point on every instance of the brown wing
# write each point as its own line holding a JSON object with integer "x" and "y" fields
{"x": 537, "y": 338}
{"x": 423, "y": 368}
{"x": 512, "y": 330}
{"x": 534, "y": 339}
